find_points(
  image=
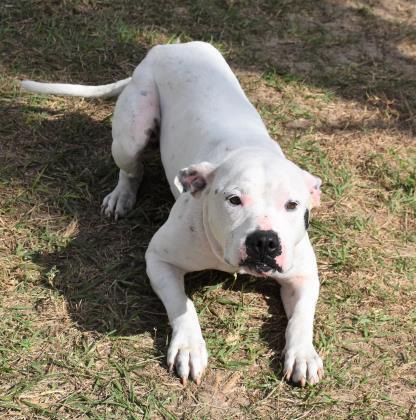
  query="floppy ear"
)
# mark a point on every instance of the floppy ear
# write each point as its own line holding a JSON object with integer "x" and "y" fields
{"x": 314, "y": 184}
{"x": 194, "y": 178}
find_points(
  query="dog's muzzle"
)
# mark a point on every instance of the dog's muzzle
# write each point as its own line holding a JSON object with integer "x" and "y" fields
{"x": 262, "y": 248}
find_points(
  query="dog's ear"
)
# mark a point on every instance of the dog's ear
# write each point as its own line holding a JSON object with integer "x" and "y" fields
{"x": 314, "y": 185}
{"x": 195, "y": 178}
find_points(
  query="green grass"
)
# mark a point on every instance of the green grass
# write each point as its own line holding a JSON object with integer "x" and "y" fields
{"x": 82, "y": 335}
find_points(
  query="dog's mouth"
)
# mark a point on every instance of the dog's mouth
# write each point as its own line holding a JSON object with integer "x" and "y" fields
{"x": 261, "y": 267}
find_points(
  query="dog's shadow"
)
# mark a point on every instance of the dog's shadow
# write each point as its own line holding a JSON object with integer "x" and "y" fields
{"x": 98, "y": 265}
{"x": 260, "y": 299}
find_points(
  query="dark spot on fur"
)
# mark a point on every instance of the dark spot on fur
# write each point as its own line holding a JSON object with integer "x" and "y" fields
{"x": 191, "y": 228}
{"x": 228, "y": 149}
{"x": 186, "y": 200}
{"x": 216, "y": 191}
{"x": 207, "y": 191}
{"x": 306, "y": 218}
{"x": 143, "y": 93}
{"x": 199, "y": 184}
{"x": 165, "y": 251}
{"x": 153, "y": 133}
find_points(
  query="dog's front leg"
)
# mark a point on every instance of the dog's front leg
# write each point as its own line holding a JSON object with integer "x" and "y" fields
{"x": 302, "y": 362}
{"x": 187, "y": 349}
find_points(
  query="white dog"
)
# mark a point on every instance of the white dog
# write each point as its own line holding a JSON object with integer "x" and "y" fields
{"x": 241, "y": 206}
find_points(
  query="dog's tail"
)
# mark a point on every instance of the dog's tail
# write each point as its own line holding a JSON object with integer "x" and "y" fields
{"x": 103, "y": 91}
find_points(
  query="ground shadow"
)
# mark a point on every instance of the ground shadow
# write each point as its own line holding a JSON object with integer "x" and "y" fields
{"x": 100, "y": 269}
{"x": 273, "y": 325}
{"x": 362, "y": 51}
{"x": 64, "y": 164}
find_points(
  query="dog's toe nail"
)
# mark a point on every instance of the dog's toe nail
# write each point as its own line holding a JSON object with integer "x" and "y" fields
{"x": 303, "y": 382}
{"x": 184, "y": 380}
{"x": 287, "y": 375}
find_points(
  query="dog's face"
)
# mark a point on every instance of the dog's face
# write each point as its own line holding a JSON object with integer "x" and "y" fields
{"x": 256, "y": 207}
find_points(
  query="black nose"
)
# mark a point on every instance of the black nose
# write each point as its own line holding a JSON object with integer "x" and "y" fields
{"x": 262, "y": 243}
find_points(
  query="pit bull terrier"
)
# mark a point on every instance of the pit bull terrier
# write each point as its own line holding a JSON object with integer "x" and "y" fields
{"x": 241, "y": 206}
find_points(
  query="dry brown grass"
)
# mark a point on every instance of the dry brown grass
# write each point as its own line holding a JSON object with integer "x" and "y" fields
{"x": 81, "y": 332}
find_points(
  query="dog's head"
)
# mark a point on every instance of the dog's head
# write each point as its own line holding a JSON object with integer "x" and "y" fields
{"x": 256, "y": 207}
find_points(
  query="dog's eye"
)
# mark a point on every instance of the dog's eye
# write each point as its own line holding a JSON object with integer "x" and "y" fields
{"x": 235, "y": 200}
{"x": 291, "y": 205}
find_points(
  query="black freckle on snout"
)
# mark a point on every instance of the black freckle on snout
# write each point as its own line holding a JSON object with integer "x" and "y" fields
{"x": 207, "y": 191}
{"x": 165, "y": 251}
{"x": 143, "y": 93}
{"x": 186, "y": 201}
{"x": 191, "y": 228}
{"x": 306, "y": 218}
{"x": 216, "y": 191}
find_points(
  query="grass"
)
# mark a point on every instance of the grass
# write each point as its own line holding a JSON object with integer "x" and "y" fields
{"x": 81, "y": 332}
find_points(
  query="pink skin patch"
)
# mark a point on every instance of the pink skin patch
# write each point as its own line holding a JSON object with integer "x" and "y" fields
{"x": 280, "y": 259}
{"x": 316, "y": 197}
{"x": 191, "y": 179}
{"x": 264, "y": 223}
{"x": 247, "y": 200}
{"x": 314, "y": 185}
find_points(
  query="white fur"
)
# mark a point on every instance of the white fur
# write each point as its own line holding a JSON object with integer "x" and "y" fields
{"x": 103, "y": 91}
{"x": 212, "y": 137}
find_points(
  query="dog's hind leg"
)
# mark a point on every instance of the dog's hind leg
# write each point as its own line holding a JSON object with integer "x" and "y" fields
{"x": 136, "y": 117}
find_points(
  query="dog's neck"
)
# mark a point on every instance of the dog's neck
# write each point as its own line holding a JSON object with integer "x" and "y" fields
{"x": 214, "y": 245}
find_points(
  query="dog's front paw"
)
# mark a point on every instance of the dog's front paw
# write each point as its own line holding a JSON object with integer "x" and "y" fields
{"x": 188, "y": 353}
{"x": 118, "y": 203}
{"x": 302, "y": 364}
